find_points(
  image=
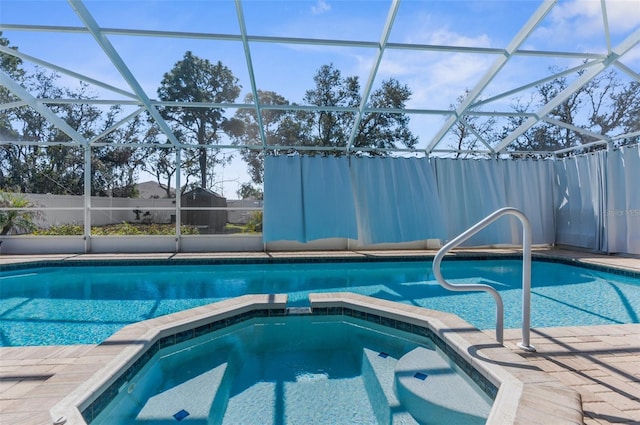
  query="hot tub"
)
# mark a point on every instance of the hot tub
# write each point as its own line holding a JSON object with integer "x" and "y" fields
{"x": 301, "y": 369}
{"x": 346, "y": 359}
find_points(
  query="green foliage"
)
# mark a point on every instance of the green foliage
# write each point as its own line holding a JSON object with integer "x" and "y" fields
{"x": 280, "y": 127}
{"x": 61, "y": 230}
{"x": 374, "y": 130}
{"x": 330, "y": 128}
{"x": 248, "y": 191}
{"x": 115, "y": 168}
{"x": 16, "y": 221}
{"x": 59, "y": 168}
{"x": 255, "y": 223}
{"x": 326, "y": 128}
{"x": 605, "y": 105}
{"x": 12, "y": 66}
{"x": 193, "y": 79}
{"x": 45, "y": 162}
{"x": 384, "y": 129}
{"x": 121, "y": 229}
{"x": 253, "y": 226}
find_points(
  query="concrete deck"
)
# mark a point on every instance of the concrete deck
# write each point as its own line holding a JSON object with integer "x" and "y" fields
{"x": 600, "y": 362}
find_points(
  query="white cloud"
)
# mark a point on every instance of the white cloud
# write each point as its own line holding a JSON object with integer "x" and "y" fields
{"x": 443, "y": 36}
{"x": 623, "y": 14}
{"x": 320, "y": 7}
{"x": 582, "y": 20}
{"x": 439, "y": 83}
{"x": 437, "y": 79}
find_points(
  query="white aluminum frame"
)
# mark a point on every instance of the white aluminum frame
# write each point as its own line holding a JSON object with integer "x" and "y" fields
{"x": 471, "y": 106}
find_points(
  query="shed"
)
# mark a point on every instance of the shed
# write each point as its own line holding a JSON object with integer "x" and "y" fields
{"x": 208, "y": 221}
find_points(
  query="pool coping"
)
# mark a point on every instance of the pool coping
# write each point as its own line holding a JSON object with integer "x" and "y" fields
{"x": 525, "y": 394}
{"x": 18, "y": 263}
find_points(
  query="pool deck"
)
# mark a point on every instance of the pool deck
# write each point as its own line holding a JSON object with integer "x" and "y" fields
{"x": 602, "y": 363}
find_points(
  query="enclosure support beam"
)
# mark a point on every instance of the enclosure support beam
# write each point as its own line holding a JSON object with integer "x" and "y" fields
{"x": 178, "y": 197}
{"x": 591, "y": 73}
{"x": 577, "y": 129}
{"x": 81, "y": 77}
{"x": 520, "y": 38}
{"x": 117, "y": 125}
{"x": 43, "y": 110}
{"x": 533, "y": 84}
{"x": 123, "y": 69}
{"x": 87, "y": 199}
{"x": 252, "y": 78}
{"x": 476, "y": 134}
{"x": 393, "y": 11}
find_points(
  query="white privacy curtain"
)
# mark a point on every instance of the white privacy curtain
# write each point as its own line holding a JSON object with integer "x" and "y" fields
{"x": 580, "y": 200}
{"x": 307, "y": 198}
{"x": 470, "y": 190}
{"x": 622, "y": 214}
{"x": 328, "y": 201}
{"x": 396, "y": 200}
{"x": 590, "y": 201}
{"x": 283, "y": 214}
{"x": 529, "y": 187}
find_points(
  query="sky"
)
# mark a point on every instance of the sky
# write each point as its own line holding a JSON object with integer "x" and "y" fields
{"x": 435, "y": 78}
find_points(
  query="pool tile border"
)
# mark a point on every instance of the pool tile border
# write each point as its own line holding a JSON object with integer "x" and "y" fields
{"x": 96, "y": 407}
{"x": 73, "y": 262}
{"x": 450, "y": 333}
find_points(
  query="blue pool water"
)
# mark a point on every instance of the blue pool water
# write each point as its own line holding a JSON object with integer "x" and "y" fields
{"x": 270, "y": 371}
{"x": 85, "y": 305}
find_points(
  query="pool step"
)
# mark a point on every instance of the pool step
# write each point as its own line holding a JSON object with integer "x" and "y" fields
{"x": 378, "y": 370}
{"x": 188, "y": 402}
{"x": 430, "y": 389}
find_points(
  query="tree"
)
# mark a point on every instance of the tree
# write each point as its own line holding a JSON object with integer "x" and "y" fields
{"x": 12, "y": 66}
{"x": 383, "y": 130}
{"x": 115, "y": 168}
{"x": 465, "y": 138}
{"x": 604, "y": 105}
{"x": 54, "y": 165}
{"x": 248, "y": 191}
{"x": 161, "y": 160}
{"x": 18, "y": 221}
{"x": 281, "y": 128}
{"x": 614, "y": 106}
{"x": 329, "y": 128}
{"x": 193, "y": 79}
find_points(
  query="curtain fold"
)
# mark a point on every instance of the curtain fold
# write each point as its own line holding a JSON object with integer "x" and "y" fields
{"x": 622, "y": 215}
{"x": 470, "y": 190}
{"x": 329, "y": 209}
{"x": 283, "y": 213}
{"x": 590, "y": 201}
{"x": 307, "y": 198}
{"x": 529, "y": 187}
{"x": 580, "y": 200}
{"x": 396, "y": 200}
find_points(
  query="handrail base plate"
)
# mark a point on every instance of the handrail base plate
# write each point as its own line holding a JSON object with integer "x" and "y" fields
{"x": 527, "y": 348}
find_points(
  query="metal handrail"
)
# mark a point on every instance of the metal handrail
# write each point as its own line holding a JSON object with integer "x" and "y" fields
{"x": 526, "y": 273}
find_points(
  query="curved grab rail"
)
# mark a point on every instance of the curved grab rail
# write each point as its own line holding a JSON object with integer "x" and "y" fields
{"x": 526, "y": 273}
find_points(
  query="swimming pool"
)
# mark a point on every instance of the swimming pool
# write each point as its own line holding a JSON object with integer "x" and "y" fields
{"x": 268, "y": 371}
{"x": 84, "y": 305}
